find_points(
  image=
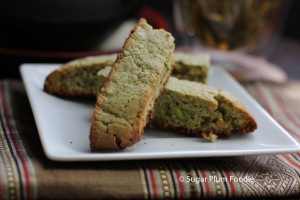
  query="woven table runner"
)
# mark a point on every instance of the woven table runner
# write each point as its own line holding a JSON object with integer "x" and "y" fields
{"x": 26, "y": 173}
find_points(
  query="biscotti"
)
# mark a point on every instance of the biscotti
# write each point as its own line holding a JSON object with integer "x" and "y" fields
{"x": 193, "y": 67}
{"x": 135, "y": 81}
{"x": 194, "y": 108}
{"x": 78, "y": 77}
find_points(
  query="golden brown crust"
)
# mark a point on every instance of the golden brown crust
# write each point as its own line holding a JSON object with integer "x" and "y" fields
{"x": 250, "y": 126}
{"x": 51, "y": 79}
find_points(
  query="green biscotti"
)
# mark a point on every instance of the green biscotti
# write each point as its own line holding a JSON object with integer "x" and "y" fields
{"x": 194, "y": 108}
{"x": 193, "y": 67}
{"x": 78, "y": 77}
{"x": 134, "y": 82}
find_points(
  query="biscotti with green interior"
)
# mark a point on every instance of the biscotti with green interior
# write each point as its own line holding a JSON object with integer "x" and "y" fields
{"x": 191, "y": 66}
{"x": 78, "y": 77}
{"x": 194, "y": 108}
{"x": 136, "y": 79}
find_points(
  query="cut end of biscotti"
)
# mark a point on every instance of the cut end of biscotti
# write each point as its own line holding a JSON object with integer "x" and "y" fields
{"x": 196, "y": 109}
{"x": 78, "y": 77}
{"x": 133, "y": 84}
{"x": 191, "y": 66}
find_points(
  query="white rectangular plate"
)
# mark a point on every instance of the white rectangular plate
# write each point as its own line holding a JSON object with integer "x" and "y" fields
{"x": 63, "y": 125}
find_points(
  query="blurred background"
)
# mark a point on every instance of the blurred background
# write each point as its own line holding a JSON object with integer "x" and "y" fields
{"x": 57, "y": 31}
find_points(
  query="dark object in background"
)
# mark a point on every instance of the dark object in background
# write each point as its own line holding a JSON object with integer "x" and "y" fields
{"x": 77, "y": 25}
{"x": 51, "y": 28}
{"x": 291, "y": 26}
{"x": 61, "y": 24}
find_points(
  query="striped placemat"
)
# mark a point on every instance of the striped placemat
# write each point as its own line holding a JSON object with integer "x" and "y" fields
{"x": 26, "y": 173}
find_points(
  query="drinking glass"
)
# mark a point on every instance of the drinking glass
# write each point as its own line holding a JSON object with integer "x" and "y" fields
{"x": 251, "y": 26}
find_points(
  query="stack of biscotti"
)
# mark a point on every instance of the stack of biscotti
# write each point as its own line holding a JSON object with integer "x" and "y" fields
{"x": 127, "y": 92}
{"x": 135, "y": 81}
{"x": 79, "y": 77}
{"x": 193, "y": 108}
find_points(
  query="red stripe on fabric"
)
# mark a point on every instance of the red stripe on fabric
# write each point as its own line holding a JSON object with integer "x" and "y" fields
{"x": 180, "y": 184}
{"x": 266, "y": 105}
{"x": 296, "y": 164}
{"x": 231, "y": 184}
{"x": 153, "y": 183}
{"x": 283, "y": 106}
{"x": 262, "y": 97}
{"x": 10, "y": 130}
{"x": 206, "y": 183}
